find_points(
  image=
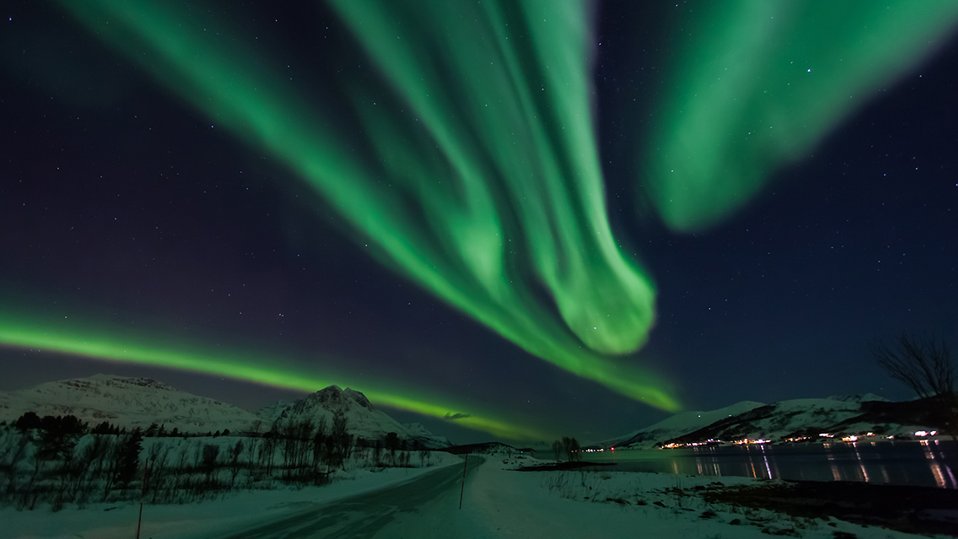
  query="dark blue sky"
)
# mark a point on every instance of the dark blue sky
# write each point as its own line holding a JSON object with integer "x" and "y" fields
{"x": 117, "y": 196}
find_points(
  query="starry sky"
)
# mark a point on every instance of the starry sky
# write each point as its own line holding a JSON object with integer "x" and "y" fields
{"x": 504, "y": 221}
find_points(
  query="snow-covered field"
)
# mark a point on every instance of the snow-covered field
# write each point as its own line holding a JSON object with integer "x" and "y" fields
{"x": 499, "y": 502}
{"x": 233, "y": 511}
{"x": 502, "y": 503}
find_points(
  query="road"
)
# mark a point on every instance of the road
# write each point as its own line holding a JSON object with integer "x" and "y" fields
{"x": 366, "y": 514}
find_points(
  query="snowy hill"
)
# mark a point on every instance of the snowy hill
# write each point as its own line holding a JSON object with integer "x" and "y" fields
{"x": 864, "y": 397}
{"x": 417, "y": 431}
{"x": 679, "y": 424}
{"x": 125, "y": 402}
{"x": 139, "y": 402}
{"x": 363, "y": 420}
{"x": 805, "y": 419}
{"x": 790, "y": 418}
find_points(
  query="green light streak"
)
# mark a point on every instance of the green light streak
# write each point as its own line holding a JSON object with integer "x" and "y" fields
{"x": 759, "y": 83}
{"x": 264, "y": 369}
{"x": 494, "y": 146}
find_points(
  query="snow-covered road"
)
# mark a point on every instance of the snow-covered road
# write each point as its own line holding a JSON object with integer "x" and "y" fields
{"x": 372, "y": 513}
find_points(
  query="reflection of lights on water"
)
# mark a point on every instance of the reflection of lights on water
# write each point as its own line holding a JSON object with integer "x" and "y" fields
{"x": 768, "y": 469}
{"x": 936, "y": 471}
{"x": 708, "y": 468}
{"x": 830, "y": 457}
{"x": 874, "y": 465}
{"x": 939, "y": 470}
{"x": 751, "y": 463}
{"x": 861, "y": 465}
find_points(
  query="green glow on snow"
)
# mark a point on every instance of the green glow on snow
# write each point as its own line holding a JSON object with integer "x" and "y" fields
{"x": 484, "y": 187}
{"x": 265, "y": 369}
{"x": 758, "y": 83}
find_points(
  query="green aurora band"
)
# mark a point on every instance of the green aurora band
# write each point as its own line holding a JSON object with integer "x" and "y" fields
{"x": 481, "y": 184}
{"x": 263, "y": 368}
{"x": 757, "y": 84}
{"x": 471, "y": 166}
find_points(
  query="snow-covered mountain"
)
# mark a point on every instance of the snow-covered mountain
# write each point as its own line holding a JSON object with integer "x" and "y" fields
{"x": 792, "y": 419}
{"x": 362, "y": 419}
{"x": 863, "y": 397}
{"x": 125, "y": 402}
{"x": 418, "y": 432}
{"x": 679, "y": 424}
{"x": 139, "y": 402}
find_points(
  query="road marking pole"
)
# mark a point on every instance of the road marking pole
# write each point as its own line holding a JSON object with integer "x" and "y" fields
{"x": 465, "y": 462}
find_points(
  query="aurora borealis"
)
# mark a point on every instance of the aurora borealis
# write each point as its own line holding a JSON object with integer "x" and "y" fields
{"x": 469, "y": 149}
{"x": 770, "y": 88}
{"x": 454, "y": 238}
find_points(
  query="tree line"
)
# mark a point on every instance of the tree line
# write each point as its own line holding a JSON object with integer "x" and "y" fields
{"x": 61, "y": 459}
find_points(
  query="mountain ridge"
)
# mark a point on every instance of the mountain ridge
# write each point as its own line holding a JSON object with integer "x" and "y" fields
{"x": 793, "y": 420}
{"x": 132, "y": 402}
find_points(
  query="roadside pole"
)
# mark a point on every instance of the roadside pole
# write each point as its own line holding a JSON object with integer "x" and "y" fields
{"x": 462, "y": 488}
{"x": 146, "y": 484}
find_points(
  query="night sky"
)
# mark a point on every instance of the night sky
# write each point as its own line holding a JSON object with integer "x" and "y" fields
{"x": 563, "y": 218}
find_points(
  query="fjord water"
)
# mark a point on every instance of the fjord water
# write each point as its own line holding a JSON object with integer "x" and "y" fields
{"x": 931, "y": 463}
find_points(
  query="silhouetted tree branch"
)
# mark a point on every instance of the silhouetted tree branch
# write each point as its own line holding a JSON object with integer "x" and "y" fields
{"x": 923, "y": 364}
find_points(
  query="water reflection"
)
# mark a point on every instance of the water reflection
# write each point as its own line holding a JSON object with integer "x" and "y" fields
{"x": 861, "y": 464}
{"x": 931, "y": 463}
{"x": 708, "y": 466}
{"x": 941, "y": 471}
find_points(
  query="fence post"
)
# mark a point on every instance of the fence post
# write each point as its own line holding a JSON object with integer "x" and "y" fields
{"x": 465, "y": 462}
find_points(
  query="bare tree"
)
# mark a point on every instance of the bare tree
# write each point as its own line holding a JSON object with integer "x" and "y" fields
{"x": 557, "y": 449}
{"x": 267, "y": 449}
{"x": 318, "y": 446}
{"x": 339, "y": 442}
{"x": 209, "y": 456}
{"x": 923, "y": 364}
{"x": 571, "y": 448}
{"x": 235, "y": 454}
